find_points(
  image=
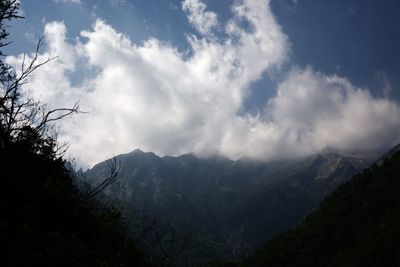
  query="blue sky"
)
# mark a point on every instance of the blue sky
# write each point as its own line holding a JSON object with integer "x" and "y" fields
{"x": 275, "y": 84}
{"x": 355, "y": 39}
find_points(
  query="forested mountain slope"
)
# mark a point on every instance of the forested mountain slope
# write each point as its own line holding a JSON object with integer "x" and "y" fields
{"x": 357, "y": 225}
{"x": 231, "y": 207}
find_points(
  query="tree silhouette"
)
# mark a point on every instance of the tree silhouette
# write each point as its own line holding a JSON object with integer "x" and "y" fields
{"x": 44, "y": 220}
{"x": 18, "y": 111}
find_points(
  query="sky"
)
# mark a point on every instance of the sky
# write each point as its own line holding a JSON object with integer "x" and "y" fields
{"x": 240, "y": 78}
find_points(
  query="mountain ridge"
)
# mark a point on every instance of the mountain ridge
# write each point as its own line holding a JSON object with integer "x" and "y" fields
{"x": 229, "y": 201}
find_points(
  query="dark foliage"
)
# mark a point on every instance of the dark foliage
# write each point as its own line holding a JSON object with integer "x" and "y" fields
{"x": 358, "y": 225}
{"x": 43, "y": 221}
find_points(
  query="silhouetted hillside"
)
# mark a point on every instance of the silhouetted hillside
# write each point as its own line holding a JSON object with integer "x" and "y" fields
{"x": 43, "y": 222}
{"x": 357, "y": 225}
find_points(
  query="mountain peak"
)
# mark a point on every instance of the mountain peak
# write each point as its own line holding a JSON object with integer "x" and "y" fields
{"x": 136, "y": 151}
{"x": 140, "y": 153}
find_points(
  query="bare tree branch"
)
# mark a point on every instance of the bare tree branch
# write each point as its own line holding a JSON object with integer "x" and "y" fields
{"x": 147, "y": 224}
{"x": 93, "y": 191}
{"x": 18, "y": 111}
{"x": 171, "y": 249}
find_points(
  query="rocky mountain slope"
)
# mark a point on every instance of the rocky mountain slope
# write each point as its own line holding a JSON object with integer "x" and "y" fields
{"x": 231, "y": 207}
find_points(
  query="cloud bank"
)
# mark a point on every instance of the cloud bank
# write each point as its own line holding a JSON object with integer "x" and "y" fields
{"x": 154, "y": 97}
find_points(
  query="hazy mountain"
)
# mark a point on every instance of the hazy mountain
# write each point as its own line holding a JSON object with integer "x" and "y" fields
{"x": 231, "y": 206}
{"x": 357, "y": 225}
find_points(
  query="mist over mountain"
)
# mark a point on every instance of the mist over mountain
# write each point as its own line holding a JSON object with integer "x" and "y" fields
{"x": 232, "y": 206}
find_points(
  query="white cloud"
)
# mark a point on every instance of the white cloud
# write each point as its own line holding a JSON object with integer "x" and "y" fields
{"x": 386, "y": 87}
{"x": 318, "y": 111}
{"x": 152, "y": 97}
{"x": 203, "y": 21}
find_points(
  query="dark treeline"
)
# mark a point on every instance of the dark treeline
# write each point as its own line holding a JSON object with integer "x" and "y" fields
{"x": 357, "y": 225}
{"x": 45, "y": 220}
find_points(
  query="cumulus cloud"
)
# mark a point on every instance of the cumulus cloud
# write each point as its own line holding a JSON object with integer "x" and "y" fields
{"x": 203, "y": 21}
{"x": 314, "y": 111}
{"x": 153, "y": 97}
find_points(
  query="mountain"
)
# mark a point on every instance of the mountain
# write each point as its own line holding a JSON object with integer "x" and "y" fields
{"x": 230, "y": 207}
{"x": 357, "y": 225}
